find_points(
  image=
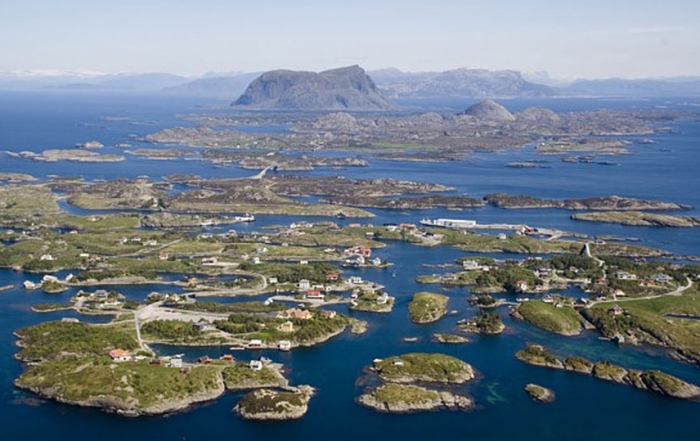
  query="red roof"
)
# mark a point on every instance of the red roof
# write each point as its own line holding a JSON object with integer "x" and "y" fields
{"x": 119, "y": 353}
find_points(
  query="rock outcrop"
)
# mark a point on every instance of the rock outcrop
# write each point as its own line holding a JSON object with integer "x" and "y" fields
{"x": 489, "y": 110}
{"x": 272, "y": 405}
{"x": 347, "y": 88}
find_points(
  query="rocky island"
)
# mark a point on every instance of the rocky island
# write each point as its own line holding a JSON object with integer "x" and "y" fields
{"x": 539, "y": 394}
{"x": 407, "y": 398}
{"x": 400, "y": 395}
{"x": 426, "y": 307}
{"x": 272, "y": 405}
{"x": 425, "y": 368}
{"x": 486, "y": 323}
{"x": 639, "y": 219}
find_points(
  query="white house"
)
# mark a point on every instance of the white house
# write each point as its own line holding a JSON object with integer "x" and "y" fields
{"x": 624, "y": 275}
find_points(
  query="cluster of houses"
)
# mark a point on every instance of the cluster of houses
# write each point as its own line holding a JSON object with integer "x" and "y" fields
{"x": 121, "y": 355}
{"x": 656, "y": 278}
{"x": 302, "y": 314}
{"x": 382, "y": 298}
{"x": 137, "y": 240}
{"x": 168, "y": 299}
{"x": 358, "y": 256}
{"x": 101, "y": 299}
{"x": 319, "y": 291}
{"x": 48, "y": 278}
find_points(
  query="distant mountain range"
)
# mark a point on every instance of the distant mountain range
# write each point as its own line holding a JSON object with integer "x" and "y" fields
{"x": 391, "y": 83}
{"x": 473, "y": 83}
{"x": 228, "y": 87}
{"x": 87, "y": 80}
{"x": 622, "y": 88}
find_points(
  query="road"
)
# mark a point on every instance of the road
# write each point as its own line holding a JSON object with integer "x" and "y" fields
{"x": 676, "y": 292}
{"x": 142, "y": 345}
{"x": 150, "y": 249}
{"x": 260, "y": 289}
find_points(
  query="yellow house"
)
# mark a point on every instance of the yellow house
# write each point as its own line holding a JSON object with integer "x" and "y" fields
{"x": 286, "y": 327}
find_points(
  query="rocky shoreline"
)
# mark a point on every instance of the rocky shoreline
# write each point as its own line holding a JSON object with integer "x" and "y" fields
{"x": 649, "y": 380}
{"x": 426, "y": 399}
{"x": 639, "y": 219}
{"x": 128, "y": 408}
{"x": 273, "y": 405}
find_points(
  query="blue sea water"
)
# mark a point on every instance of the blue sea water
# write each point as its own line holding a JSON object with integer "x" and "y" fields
{"x": 585, "y": 408}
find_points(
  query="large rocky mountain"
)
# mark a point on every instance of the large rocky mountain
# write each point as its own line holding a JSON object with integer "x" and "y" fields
{"x": 472, "y": 83}
{"x": 347, "y": 88}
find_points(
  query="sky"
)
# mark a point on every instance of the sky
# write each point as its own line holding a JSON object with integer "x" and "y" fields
{"x": 568, "y": 39}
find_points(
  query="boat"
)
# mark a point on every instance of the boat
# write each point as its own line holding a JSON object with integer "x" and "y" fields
{"x": 449, "y": 223}
{"x": 245, "y": 218}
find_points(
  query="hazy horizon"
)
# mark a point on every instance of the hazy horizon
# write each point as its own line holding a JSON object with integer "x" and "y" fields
{"x": 569, "y": 40}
